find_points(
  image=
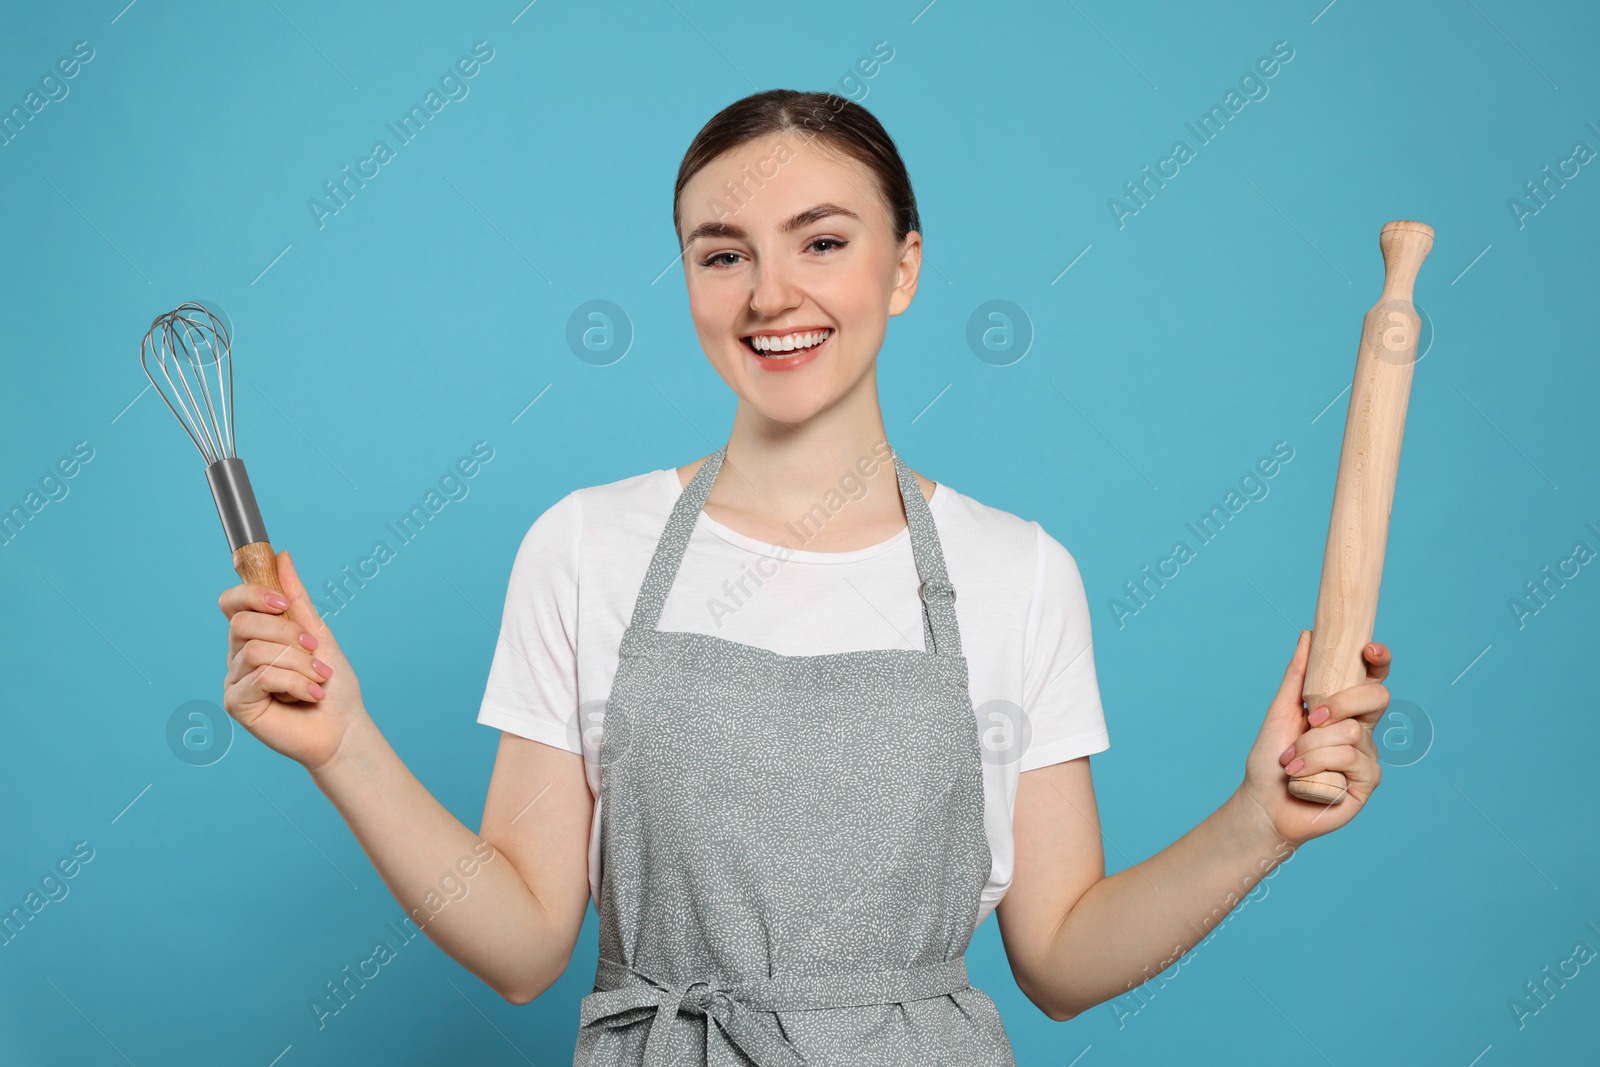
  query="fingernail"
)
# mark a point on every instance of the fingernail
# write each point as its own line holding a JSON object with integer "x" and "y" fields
{"x": 308, "y": 641}
{"x": 317, "y": 692}
{"x": 276, "y": 601}
{"x": 1320, "y": 716}
{"x": 321, "y": 668}
{"x": 1292, "y": 768}
{"x": 1286, "y": 754}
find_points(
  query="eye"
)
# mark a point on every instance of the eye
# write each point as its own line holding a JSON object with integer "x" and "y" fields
{"x": 834, "y": 241}
{"x": 716, "y": 259}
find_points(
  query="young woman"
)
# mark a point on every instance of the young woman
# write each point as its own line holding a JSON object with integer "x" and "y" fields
{"x": 817, "y": 767}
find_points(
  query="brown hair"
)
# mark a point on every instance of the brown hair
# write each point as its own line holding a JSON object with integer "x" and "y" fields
{"x": 840, "y": 124}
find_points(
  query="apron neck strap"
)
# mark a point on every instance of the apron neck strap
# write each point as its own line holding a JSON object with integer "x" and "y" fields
{"x": 940, "y": 632}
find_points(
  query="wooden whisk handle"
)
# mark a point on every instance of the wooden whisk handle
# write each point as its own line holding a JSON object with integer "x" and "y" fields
{"x": 256, "y": 562}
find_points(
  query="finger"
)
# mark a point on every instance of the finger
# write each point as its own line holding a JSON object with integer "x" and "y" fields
{"x": 248, "y": 625}
{"x": 1285, "y": 719}
{"x": 1364, "y": 699}
{"x": 1330, "y": 735}
{"x": 1346, "y": 759}
{"x": 251, "y": 596}
{"x": 266, "y": 682}
{"x": 1294, "y": 676}
{"x": 1378, "y": 660}
{"x": 301, "y": 608}
{"x": 256, "y": 653}
{"x": 241, "y": 689}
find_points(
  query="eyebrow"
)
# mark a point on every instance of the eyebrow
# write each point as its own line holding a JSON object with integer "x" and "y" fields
{"x": 804, "y": 218}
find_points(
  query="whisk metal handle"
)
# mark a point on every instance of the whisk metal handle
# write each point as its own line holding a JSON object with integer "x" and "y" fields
{"x": 253, "y": 557}
{"x": 236, "y": 502}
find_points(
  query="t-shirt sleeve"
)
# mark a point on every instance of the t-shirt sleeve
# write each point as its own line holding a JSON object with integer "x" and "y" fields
{"x": 532, "y": 689}
{"x": 1061, "y": 696}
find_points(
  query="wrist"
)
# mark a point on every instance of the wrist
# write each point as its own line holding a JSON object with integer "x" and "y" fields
{"x": 1254, "y": 827}
{"x": 354, "y": 753}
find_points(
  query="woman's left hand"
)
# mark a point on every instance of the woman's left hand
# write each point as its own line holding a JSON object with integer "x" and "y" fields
{"x": 1293, "y": 745}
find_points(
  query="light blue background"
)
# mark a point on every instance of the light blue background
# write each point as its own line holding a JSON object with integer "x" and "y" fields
{"x": 430, "y": 311}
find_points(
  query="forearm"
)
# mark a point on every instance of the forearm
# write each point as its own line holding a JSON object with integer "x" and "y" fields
{"x": 495, "y": 926}
{"x": 1128, "y": 927}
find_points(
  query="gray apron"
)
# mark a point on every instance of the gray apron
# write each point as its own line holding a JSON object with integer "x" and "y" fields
{"x": 792, "y": 847}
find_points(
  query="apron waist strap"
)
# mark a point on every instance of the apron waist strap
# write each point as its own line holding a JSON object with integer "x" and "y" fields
{"x": 624, "y": 996}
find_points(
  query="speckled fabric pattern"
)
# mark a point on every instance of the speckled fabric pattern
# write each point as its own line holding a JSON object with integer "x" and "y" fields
{"x": 792, "y": 847}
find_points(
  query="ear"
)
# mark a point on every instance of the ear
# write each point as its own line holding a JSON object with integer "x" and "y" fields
{"x": 907, "y": 273}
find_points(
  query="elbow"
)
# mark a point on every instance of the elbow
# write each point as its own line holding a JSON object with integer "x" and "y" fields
{"x": 539, "y": 974}
{"x": 526, "y": 992}
{"x": 1055, "y": 1012}
{"x": 1053, "y": 1009}
{"x": 522, "y": 994}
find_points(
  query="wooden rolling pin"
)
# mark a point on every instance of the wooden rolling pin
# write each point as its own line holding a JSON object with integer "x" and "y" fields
{"x": 1358, "y": 530}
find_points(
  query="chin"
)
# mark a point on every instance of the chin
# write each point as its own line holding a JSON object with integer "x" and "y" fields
{"x": 789, "y": 411}
{"x": 789, "y": 398}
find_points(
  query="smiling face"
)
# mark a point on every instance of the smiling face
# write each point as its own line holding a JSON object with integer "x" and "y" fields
{"x": 791, "y": 251}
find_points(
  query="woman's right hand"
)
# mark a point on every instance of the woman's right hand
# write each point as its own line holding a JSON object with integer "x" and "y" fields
{"x": 287, "y": 682}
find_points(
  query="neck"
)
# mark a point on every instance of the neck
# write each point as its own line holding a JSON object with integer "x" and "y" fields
{"x": 838, "y": 461}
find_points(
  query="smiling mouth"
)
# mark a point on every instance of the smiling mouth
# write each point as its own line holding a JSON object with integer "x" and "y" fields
{"x": 798, "y": 343}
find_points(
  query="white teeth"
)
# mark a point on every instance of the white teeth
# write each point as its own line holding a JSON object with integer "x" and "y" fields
{"x": 789, "y": 341}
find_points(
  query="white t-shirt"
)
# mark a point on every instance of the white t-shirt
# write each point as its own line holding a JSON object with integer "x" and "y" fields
{"x": 1020, "y": 604}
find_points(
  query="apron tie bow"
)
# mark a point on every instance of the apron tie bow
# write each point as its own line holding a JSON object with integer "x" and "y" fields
{"x": 754, "y": 1033}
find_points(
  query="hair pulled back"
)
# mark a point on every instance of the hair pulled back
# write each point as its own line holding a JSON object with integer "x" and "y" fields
{"x": 840, "y": 124}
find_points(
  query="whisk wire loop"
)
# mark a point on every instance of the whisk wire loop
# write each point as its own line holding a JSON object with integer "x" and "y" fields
{"x": 191, "y": 334}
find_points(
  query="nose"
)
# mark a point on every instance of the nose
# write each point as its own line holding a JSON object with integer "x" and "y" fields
{"x": 772, "y": 290}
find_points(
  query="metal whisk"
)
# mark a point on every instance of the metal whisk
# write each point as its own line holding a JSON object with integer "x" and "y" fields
{"x": 192, "y": 342}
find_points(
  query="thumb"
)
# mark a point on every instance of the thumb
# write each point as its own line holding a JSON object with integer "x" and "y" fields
{"x": 1287, "y": 703}
{"x": 301, "y": 609}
